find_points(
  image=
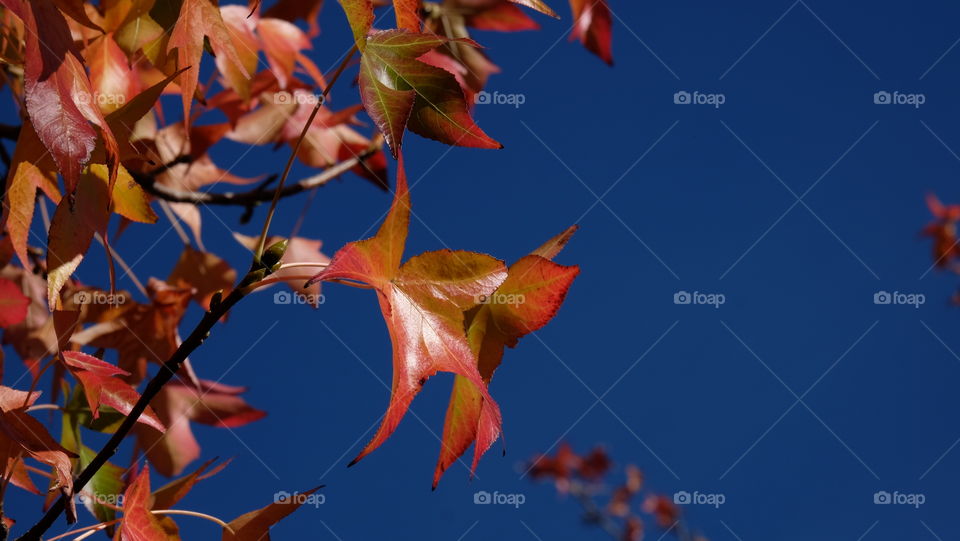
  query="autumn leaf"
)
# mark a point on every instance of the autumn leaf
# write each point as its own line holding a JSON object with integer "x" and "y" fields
{"x": 399, "y": 91}
{"x": 280, "y": 118}
{"x": 123, "y": 121}
{"x": 101, "y": 387}
{"x": 138, "y": 523}
{"x": 206, "y": 273}
{"x": 592, "y": 26}
{"x": 72, "y": 229}
{"x": 31, "y": 168}
{"x": 58, "y": 95}
{"x": 360, "y": 16}
{"x": 34, "y": 337}
{"x": 501, "y": 16}
{"x": 102, "y": 492}
{"x": 172, "y": 144}
{"x": 13, "y": 304}
{"x": 113, "y": 79}
{"x": 199, "y": 19}
{"x": 140, "y": 333}
{"x": 408, "y": 14}
{"x": 179, "y": 404}
{"x": 292, "y": 10}
{"x": 526, "y": 301}
{"x": 241, "y": 28}
{"x": 423, "y": 302}
{"x": 255, "y": 525}
{"x": 537, "y": 5}
{"x": 22, "y": 435}
{"x": 282, "y": 43}
{"x": 168, "y": 495}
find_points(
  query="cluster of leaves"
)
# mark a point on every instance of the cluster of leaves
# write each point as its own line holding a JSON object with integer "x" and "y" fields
{"x": 589, "y": 479}
{"x": 95, "y": 142}
{"x": 943, "y": 231}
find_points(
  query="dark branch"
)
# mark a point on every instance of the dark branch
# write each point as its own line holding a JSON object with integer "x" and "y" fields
{"x": 248, "y": 198}
{"x": 164, "y": 375}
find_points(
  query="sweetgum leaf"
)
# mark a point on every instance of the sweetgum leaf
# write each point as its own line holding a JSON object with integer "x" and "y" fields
{"x": 526, "y": 301}
{"x": 423, "y": 303}
{"x": 592, "y": 27}
{"x": 199, "y": 19}
{"x": 399, "y": 90}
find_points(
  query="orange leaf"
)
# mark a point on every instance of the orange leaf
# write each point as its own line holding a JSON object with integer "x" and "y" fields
{"x": 423, "y": 302}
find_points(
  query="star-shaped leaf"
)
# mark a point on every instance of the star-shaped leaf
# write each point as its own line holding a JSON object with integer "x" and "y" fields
{"x": 423, "y": 303}
{"x": 400, "y": 91}
{"x": 526, "y": 301}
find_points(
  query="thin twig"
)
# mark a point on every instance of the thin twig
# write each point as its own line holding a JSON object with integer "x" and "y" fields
{"x": 251, "y": 197}
{"x": 296, "y": 148}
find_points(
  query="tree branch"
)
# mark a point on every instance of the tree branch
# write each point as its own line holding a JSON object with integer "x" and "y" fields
{"x": 250, "y": 197}
{"x": 164, "y": 375}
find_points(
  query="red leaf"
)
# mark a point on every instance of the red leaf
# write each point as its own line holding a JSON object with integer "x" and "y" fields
{"x": 501, "y": 16}
{"x": 138, "y": 523}
{"x": 291, "y": 10}
{"x": 526, "y": 301}
{"x": 179, "y": 403}
{"x": 102, "y": 388}
{"x": 13, "y": 304}
{"x": 21, "y": 434}
{"x": 58, "y": 95}
{"x": 423, "y": 303}
{"x": 398, "y": 91}
{"x": 537, "y": 5}
{"x": 592, "y": 27}
{"x": 31, "y": 168}
{"x": 360, "y": 16}
{"x": 255, "y": 525}
{"x": 199, "y": 18}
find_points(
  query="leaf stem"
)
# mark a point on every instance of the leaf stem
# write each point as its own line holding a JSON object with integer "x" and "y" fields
{"x": 296, "y": 148}
{"x": 204, "y": 516}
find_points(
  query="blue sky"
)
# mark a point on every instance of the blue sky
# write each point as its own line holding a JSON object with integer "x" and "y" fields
{"x": 797, "y": 200}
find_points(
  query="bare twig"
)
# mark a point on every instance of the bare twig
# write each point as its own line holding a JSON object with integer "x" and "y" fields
{"x": 251, "y": 197}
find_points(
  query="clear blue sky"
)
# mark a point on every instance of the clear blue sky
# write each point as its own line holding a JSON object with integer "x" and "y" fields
{"x": 798, "y": 398}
